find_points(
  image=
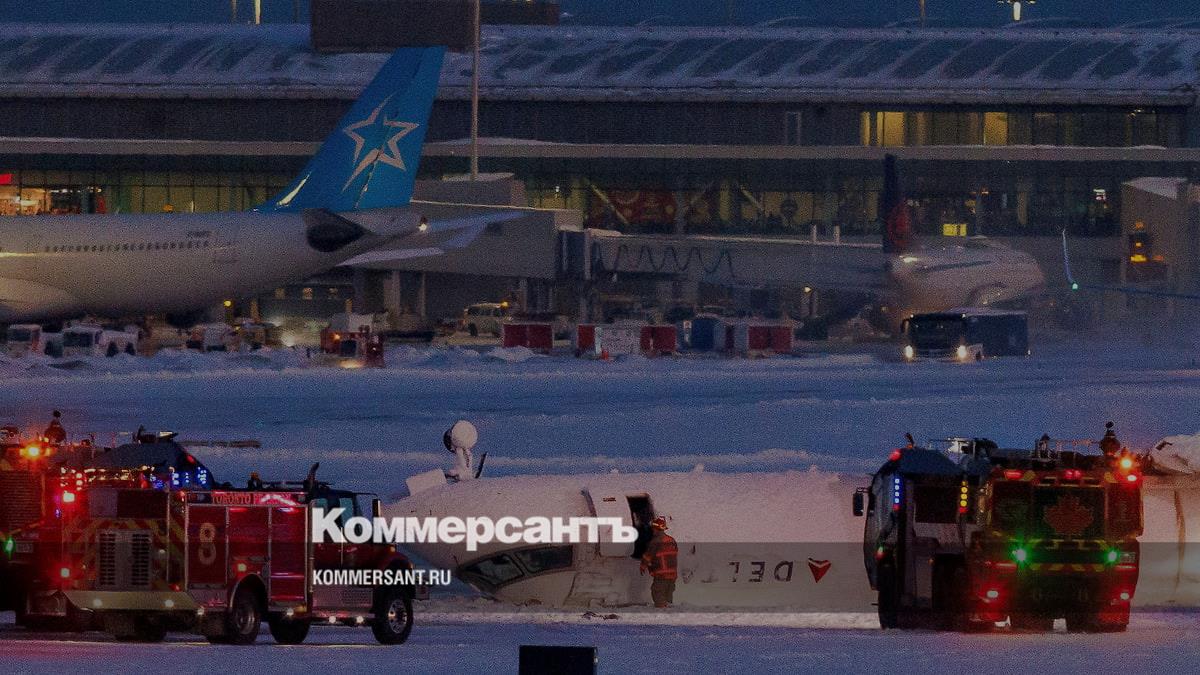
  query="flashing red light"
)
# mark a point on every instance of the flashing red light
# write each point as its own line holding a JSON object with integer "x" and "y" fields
{"x": 962, "y": 509}
{"x": 1124, "y": 596}
{"x": 1012, "y": 474}
{"x": 895, "y": 456}
{"x": 1126, "y": 463}
{"x": 68, "y": 497}
{"x": 992, "y": 594}
{"x": 879, "y": 553}
{"x": 65, "y": 572}
{"x": 1132, "y": 478}
{"x": 1072, "y": 474}
{"x": 895, "y": 507}
{"x": 190, "y": 459}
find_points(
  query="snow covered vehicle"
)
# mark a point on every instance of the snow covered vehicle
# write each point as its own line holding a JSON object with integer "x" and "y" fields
{"x": 213, "y": 337}
{"x": 967, "y": 535}
{"x": 221, "y": 561}
{"x": 30, "y": 338}
{"x": 93, "y": 340}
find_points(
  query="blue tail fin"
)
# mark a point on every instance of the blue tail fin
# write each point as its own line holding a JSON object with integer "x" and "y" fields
{"x": 370, "y": 160}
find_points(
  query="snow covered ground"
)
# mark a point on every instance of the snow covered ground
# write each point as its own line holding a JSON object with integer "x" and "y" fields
{"x": 1162, "y": 643}
{"x": 372, "y": 428}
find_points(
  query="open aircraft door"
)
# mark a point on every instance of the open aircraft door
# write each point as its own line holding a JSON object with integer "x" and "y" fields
{"x": 632, "y": 507}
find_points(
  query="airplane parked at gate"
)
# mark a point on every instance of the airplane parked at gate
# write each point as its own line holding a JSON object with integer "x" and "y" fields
{"x": 353, "y": 195}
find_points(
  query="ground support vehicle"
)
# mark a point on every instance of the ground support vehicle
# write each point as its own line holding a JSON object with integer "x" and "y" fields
{"x": 94, "y": 340}
{"x": 220, "y": 562}
{"x": 966, "y": 536}
{"x": 965, "y": 334}
{"x": 484, "y": 317}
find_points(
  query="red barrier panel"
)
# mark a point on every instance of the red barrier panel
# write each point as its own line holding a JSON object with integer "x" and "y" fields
{"x": 646, "y": 339}
{"x": 539, "y": 337}
{"x": 515, "y": 335}
{"x": 781, "y": 339}
{"x": 664, "y": 338}
{"x": 758, "y": 338}
{"x": 585, "y": 339}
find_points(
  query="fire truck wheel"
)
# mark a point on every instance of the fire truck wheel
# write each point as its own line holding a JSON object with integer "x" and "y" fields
{"x": 112, "y": 350}
{"x": 888, "y": 602}
{"x": 961, "y": 617}
{"x": 243, "y": 620}
{"x": 393, "y": 616}
{"x": 288, "y": 631}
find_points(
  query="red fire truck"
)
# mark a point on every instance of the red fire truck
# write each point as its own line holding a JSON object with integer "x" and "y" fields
{"x": 219, "y": 562}
{"x": 968, "y": 534}
{"x": 49, "y": 490}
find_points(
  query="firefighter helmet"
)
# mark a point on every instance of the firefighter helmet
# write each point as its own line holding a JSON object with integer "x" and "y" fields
{"x": 659, "y": 523}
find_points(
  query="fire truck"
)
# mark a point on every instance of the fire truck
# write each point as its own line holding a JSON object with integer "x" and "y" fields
{"x": 22, "y": 479}
{"x": 48, "y": 490}
{"x": 962, "y": 534}
{"x": 221, "y": 561}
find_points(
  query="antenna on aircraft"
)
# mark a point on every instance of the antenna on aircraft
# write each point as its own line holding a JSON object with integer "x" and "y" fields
{"x": 460, "y": 439}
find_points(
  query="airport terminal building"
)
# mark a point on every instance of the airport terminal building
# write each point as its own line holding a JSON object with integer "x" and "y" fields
{"x": 1012, "y": 133}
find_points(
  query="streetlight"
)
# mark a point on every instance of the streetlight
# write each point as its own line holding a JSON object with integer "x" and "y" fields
{"x": 475, "y": 95}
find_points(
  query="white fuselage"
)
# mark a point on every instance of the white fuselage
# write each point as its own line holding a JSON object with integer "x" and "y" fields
{"x": 53, "y": 267}
{"x": 784, "y": 540}
{"x": 975, "y": 273}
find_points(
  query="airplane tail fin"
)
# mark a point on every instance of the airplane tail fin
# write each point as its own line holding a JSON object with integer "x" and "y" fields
{"x": 370, "y": 160}
{"x": 897, "y": 222}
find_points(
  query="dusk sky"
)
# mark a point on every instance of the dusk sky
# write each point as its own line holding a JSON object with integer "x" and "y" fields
{"x": 707, "y": 12}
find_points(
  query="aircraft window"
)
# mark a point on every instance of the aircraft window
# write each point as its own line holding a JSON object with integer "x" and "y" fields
{"x": 493, "y": 571}
{"x": 537, "y": 560}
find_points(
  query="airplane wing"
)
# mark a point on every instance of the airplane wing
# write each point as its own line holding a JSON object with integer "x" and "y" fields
{"x": 1129, "y": 290}
{"x": 463, "y": 231}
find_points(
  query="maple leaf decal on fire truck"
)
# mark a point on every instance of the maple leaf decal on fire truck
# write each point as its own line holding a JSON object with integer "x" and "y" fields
{"x": 1069, "y": 517}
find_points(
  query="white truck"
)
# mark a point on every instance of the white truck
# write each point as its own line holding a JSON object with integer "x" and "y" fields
{"x": 93, "y": 340}
{"x": 30, "y": 338}
{"x": 214, "y": 337}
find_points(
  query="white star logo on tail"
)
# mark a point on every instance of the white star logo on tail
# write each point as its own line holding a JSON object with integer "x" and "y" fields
{"x": 388, "y": 154}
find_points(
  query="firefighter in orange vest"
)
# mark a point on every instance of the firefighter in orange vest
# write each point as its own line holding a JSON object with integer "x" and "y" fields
{"x": 661, "y": 561}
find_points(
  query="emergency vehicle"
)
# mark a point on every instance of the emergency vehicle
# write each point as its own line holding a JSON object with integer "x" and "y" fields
{"x": 53, "y": 493}
{"x": 353, "y": 340}
{"x": 963, "y": 535}
{"x": 221, "y": 561}
{"x": 21, "y": 504}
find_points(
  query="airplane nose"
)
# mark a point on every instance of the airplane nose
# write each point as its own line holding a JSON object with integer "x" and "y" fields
{"x": 328, "y": 232}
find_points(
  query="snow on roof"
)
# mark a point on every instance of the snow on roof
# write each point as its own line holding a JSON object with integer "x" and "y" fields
{"x": 1120, "y": 65}
{"x": 1158, "y": 185}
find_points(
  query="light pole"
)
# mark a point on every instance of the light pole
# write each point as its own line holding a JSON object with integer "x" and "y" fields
{"x": 475, "y": 96}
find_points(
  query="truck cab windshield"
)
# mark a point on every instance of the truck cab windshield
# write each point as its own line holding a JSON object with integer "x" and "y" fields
{"x": 936, "y": 332}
